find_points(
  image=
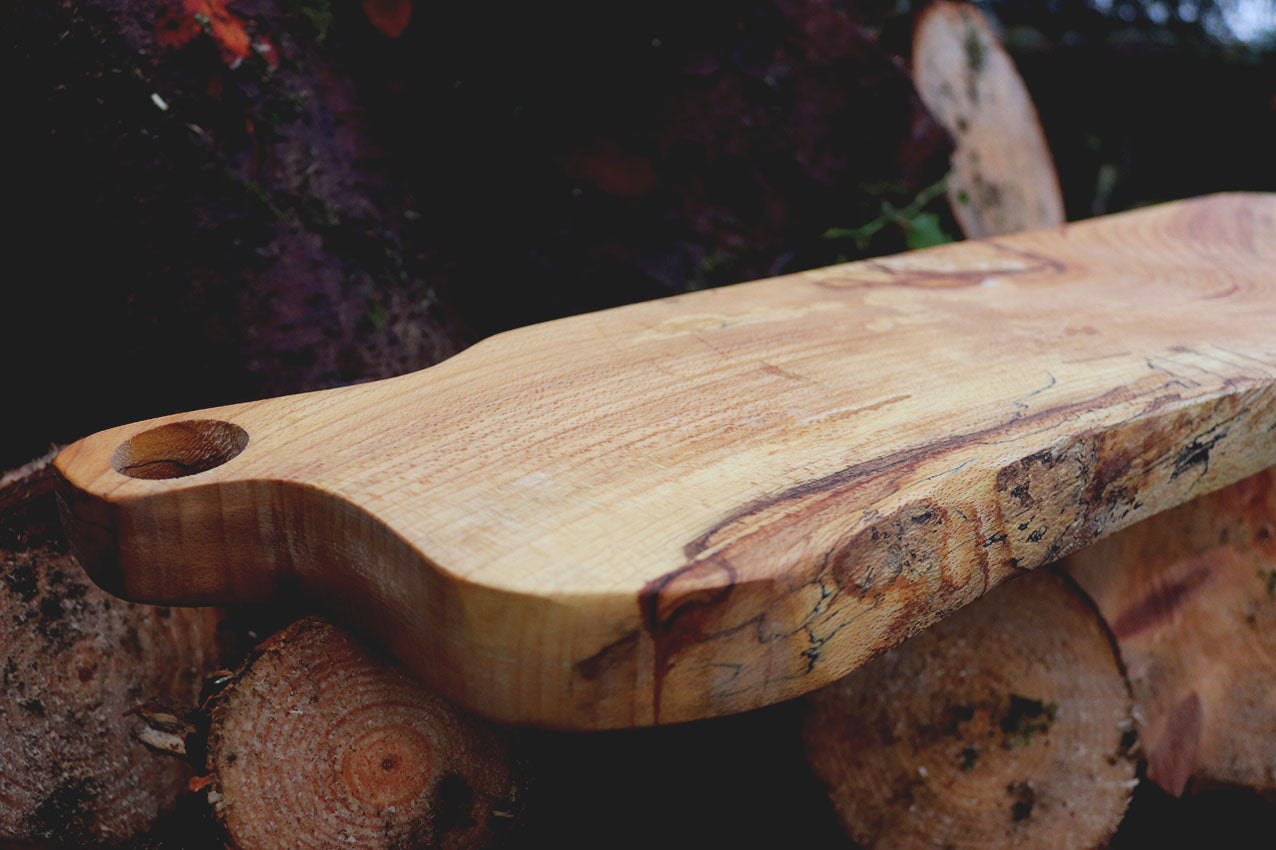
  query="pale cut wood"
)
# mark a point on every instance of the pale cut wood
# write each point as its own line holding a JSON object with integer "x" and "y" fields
{"x": 317, "y": 742}
{"x": 1007, "y": 725}
{"x": 712, "y": 502}
{"x": 1003, "y": 178}
{"x": 1191, "y": 597}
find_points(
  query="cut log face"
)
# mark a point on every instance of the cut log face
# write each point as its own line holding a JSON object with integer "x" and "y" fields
{"x": 74, "y": 662}
{"x": 318, "y": 743}
{"x": 1191, "y": 597}
{"x": 1009, "y": 724}
{"x": 1003, "y": 176}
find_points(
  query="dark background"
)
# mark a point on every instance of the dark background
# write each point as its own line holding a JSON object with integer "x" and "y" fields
{"x": 371, "y": 205}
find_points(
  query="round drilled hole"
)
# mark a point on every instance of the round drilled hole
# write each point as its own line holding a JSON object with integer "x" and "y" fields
{"x": 179, "y": 449}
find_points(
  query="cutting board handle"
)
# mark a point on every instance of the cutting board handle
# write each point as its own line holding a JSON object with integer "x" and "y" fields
{"x": 196, "y": 508}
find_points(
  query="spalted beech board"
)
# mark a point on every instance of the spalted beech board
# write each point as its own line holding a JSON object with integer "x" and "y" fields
{"x": 711, "y": 502}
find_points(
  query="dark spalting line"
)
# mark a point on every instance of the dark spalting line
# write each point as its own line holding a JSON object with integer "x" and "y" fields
{"x": 1021, "y": 402}
{"x": 592, "y": 667}
{"x": 864, "y": 577}
{"x": 685, "y": 624}
{"x": 1158, "y": 605}
{"x": 1198, "y": 452}
{"x": 898, "y": 461}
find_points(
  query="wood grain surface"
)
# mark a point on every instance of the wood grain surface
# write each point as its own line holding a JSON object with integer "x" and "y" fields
{"x": 712, "y": 502}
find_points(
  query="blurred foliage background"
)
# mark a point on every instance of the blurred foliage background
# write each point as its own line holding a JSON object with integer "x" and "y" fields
{"x": 306, "y": 202}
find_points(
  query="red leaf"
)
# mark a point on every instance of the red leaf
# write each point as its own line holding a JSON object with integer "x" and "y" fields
{"x": 391, "y": 17}
{"x": 185, "y": 19}
{"x": 614, "y": 171}
{"x": 198, "y": 783}
{"x": 174, "y": 29}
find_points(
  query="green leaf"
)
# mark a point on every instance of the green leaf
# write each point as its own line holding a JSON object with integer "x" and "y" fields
{"x": 923, "y": 231}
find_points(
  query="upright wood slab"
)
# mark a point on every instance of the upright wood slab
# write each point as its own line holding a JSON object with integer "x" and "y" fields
{"x": 712, "y": 502}
{"x": 1003, "y": 178}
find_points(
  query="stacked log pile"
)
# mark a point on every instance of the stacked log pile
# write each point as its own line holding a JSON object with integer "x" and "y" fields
{"x": 75, "y": 662}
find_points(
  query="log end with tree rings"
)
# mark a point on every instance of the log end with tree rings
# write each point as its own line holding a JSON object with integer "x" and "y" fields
{"x": 318, "y": 742}
{"x": 1191, "y": 596}
{"x": 1008, "y": 724}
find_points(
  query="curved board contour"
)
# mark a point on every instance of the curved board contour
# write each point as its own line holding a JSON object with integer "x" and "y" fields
{"x": 712, "y": 502}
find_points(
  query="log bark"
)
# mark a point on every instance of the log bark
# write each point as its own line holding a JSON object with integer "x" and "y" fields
{"x": 74, "y": 662}
{"x": 1191, "y": 597}
{"x": 1008, "y": 724}
{"x": 316, "y": 742}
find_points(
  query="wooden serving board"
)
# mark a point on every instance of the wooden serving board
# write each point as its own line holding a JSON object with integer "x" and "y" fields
{"x": 712, "y": 502}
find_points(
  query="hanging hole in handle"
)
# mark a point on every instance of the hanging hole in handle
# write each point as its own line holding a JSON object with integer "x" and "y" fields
{"x": 179, "y": 449}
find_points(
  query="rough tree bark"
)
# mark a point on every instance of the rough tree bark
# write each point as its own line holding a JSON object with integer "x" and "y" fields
{"x": 73, "y": 662}
{"x": 1191, "y": 597}
{"x": 1008, "y": 724}
{"x": 317, "y": 742}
